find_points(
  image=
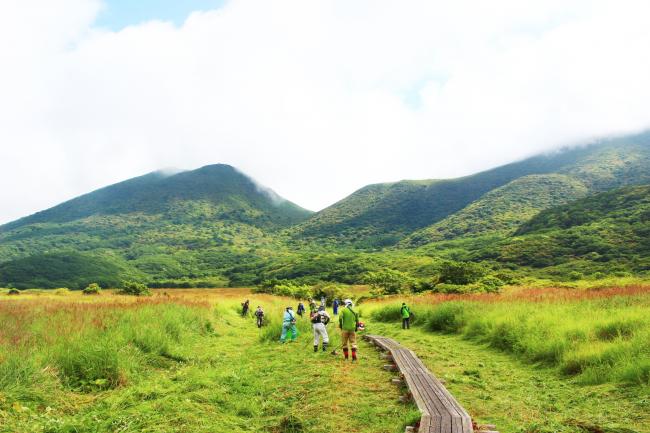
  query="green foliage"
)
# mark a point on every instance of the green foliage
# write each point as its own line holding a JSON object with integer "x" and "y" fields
{"x": 72, "y": 269}
{"x": 387, "y": 281}
{"x": 503, "y": 209}
{"x": 215, "y": 227}
{"x": 378, "y": 215}
{"x": 134, "y": 288}
{"x": 460, "y": 273}
{"x": 92, "y": 289}
{"x": 13, "y": 291}
{"x": 604, "y": 233}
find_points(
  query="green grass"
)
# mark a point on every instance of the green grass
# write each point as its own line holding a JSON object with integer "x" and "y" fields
{"x": 516, "y": 396}
{"x": 197, "y": 368}
{"x": 597, "y": 340}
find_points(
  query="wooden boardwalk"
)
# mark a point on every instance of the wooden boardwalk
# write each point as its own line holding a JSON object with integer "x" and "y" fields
{"x": 441, "y": 413}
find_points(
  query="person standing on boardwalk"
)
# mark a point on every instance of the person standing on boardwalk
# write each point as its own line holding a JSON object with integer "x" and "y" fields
{"x": 244, "y": 308}
{"x": 406, "y": 316}
{"x": 319, "y": 321}
{"x": 349, "y": 324}
{"x": 335, "y": 307}
{"x": 259, "y": 314}
{"x": 301, "y": 309}
{"x": 289, "y": 325}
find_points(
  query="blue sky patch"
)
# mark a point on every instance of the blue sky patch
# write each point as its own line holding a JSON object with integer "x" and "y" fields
{"x": 118, "y": 14}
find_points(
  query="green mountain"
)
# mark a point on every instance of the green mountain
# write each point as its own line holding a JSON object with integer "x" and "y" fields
{"x": 215, "y": 226}
{"x": 220, "y": 191}
{"x": 383, "y": 214}
{"x": 192, "y": 225}
{"x": 599, "y": 232}
{"x": 503, "y": 209}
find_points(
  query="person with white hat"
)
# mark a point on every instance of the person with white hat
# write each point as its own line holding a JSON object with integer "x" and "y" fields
{"x": 349, "y": 324}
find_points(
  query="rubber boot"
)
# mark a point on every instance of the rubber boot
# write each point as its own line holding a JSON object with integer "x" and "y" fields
{"x": 345, "y": 353}
{"x": 316, "y": 348}
{"x": 354, "y": 354}
{"x": 324, "y": 347}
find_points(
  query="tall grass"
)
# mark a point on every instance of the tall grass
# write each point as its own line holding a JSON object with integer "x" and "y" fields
{"x": 596, "y": 338}
{"x": 92, "y": 346}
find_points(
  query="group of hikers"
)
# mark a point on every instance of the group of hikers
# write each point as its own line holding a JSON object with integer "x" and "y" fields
{"x": 349, "y": 323}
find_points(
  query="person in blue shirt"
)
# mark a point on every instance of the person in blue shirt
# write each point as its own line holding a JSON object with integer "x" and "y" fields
{"x": 289, "y": 325}
{"x": 335, "y": 307}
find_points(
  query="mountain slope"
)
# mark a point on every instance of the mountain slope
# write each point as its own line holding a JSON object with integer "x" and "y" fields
{"x": 612, "y": 226}
{"x": 229, "y": 193}
{"x": 191, "y": 226}
{"x": 503, "y": 209}
{"x": 380, "y": 215}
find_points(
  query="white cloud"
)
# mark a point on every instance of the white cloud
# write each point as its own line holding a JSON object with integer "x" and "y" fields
{"x": 312, "y": 98}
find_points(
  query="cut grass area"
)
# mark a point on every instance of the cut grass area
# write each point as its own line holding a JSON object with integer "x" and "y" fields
{"x": 497, "y": 389}
{"x": 182, "y": 362}
{"x": 599, "y": 336}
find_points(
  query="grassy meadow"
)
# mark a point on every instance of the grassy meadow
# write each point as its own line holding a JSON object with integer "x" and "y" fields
{"x": 178, "y": 361}
{"x": 527, "y": 360}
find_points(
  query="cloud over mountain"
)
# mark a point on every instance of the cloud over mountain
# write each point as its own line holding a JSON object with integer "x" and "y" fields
{"x": 335, "y": 94}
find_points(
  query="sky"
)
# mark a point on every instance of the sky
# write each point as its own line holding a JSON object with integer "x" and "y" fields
{"x": 312, "y": 98}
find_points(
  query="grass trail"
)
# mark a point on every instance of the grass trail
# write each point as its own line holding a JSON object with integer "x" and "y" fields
{"x": 517, "y": 397}
{"x": 229, "y": 382}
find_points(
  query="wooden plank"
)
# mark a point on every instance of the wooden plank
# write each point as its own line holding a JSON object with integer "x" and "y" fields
{"x": 441, "y": 413}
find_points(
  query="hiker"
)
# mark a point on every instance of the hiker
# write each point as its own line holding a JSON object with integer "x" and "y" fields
{"x": 322, "y": 301}
{"x": 406, "y": 316}
{"x": 312, "y": 306}
{"x": 244, "y": 309}
{"x": 319, "y": 321}
{"x": 349, "y": 324}
{"x": 335, "y": 307}
{"x": 289, "y": 325}
{"x": 301, "y": 309}
{"x": 259, "y": 313}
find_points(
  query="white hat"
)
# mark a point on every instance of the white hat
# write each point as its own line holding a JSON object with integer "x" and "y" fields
{"x": 348, "y": 302}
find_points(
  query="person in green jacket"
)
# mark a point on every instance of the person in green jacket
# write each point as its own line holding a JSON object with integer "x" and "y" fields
{"x": 406, "y": 316}
{"x": 349, "y": 324}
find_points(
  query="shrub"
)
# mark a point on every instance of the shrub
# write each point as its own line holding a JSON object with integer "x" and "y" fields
{"x": 134, "y": 288}
{"x": 448, "y": 317}
{"x": 491, "y": 284}
{"x": 13, "y": 291}
{"x": 330, "y": 291}
{"x": 63, "y": 291}
{"x": 461, "y": 272}
{"x": 575, "y": 276}
{"x": 92, "y": 289}
{"x": 387, "y": 281}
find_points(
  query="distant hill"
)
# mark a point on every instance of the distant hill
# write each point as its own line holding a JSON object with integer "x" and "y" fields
{"x": 221, "y": 190}
{"x": 193, "y": 225}
{"x": 609, "y": 227}
{"x": 503, "y": 209}
{"x": 550, "y": 214}
{"x": 381, "y": 215}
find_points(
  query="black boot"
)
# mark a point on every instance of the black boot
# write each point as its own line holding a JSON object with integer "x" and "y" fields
{"x": 316, "y": 348}
{"x": 324, "y": 347}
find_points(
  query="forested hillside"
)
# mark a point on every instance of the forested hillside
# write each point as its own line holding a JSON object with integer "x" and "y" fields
{"x": 215, "y": 226}
{"x": 602, "y": 233}
{"x": 174, "y": 229}
{"x": 381, "y": 215}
